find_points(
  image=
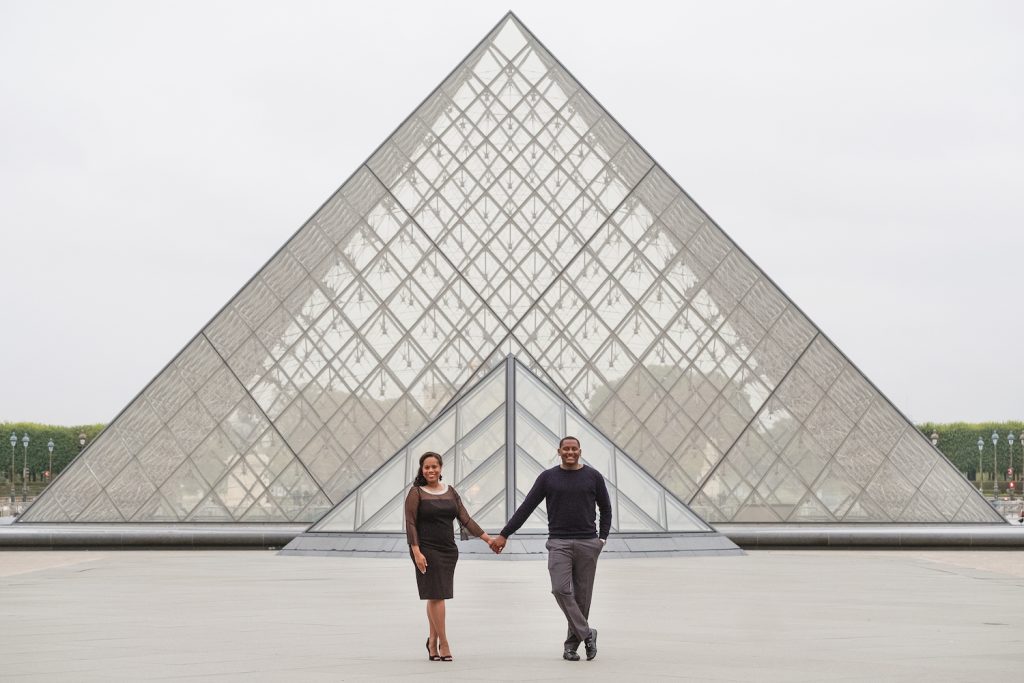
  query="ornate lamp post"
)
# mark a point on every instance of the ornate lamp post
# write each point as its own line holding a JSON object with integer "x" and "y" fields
{"x": 49, "y": 470}
{"x": 935, "y": 439}
{"x": 14, "y": 444}
{"x": 995, "y": 467}
{"x": 981, "y": 446}
{"x": 81, "y": 440}
{"x": 24, "y": 466}
{"x": 1009, "y": 471}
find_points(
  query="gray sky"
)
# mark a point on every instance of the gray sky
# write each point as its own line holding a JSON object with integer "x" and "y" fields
{"x": 869, "y": 156}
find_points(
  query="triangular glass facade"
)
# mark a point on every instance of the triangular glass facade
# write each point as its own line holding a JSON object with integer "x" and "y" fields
{"x": 509, "y": 406}
{"x": 510, "y": 214}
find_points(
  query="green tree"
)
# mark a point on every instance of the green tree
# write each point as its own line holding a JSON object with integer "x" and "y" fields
{"x": 958, "y": 441}
{"x": 37, "y": 456}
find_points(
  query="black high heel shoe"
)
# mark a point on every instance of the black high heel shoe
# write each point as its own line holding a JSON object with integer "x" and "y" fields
{"x": 433, "y": 658}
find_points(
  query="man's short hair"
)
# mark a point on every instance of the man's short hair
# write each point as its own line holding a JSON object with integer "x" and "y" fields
{"x": 567, "y": 438}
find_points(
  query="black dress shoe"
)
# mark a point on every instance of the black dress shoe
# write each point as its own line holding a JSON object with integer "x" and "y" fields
{"x": 570, "y": 655}
{"x": 591, "y": 644}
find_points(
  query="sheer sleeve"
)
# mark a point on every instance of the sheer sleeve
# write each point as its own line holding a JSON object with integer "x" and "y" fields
{"x": 412, "y": 507}
{"x": 464, "y": 519}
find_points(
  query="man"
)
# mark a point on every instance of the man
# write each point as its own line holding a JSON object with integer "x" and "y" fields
{"x": 571, "y": 491}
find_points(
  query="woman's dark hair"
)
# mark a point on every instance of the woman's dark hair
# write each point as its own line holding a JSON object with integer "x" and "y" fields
{"x": 420, "y": 480}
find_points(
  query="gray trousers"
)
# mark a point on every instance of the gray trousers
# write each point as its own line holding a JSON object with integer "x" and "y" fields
{"x": 572, "y": 564}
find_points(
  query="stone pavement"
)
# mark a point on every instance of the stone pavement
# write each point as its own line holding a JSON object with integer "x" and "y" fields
{"x": 257, "y": 616}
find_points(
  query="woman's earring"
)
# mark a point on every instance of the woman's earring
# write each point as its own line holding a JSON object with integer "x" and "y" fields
{"x": 439, "y": 477}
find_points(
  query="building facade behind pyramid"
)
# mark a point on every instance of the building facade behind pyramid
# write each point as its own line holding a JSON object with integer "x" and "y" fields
{"x": 510, "y": 214}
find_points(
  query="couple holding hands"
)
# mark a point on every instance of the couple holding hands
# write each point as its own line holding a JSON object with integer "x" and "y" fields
{"x": 573, "y": 492}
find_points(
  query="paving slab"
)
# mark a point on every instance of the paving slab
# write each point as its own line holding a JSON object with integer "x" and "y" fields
{"x": 765, "y": 616}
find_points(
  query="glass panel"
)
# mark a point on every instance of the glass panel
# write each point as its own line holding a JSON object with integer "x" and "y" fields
{"x": 679, "y": 518}
{"x": 540, "y": 444}
{"x": 945, "y": 489}
{"x": 169, "y": 391}
{"x": 191, "y": 425}
{"x": 639, "y": 488}
{"x": 836, "y": 490}
{"x": 493, "y": 517}
{"x": 822, "y": 362}
{"x": 481, "y": 486}
{"x": 890, "y": 490}
{"x": 264, "y": 510}
{"x": 480, "y": 445}
{"x": 805, "y": 456}
{"x": 391, "y": 518}
{"x": 108, "y": 454}
{"x": 975, "y": 509}
{"x": 852, "y": 393}
{"x": 537, "y": 400}
{"x": 210, "y": 510}
{"x": 342, "y": 518}
{"x": 828, "y": 424}
{"x": 102, "y": 510}
{"x": 481, "y": 403}
{"x": 156, "y": 509}
{"x": 799, "y": 393}
{"x": 184, "y": 489}
{"x": 859, "y": 458}
{"x": 130, "y": 489}
{"x": 510, "y": 181}
{"x": 810, "y": 509}
{"x": 914, "y": 456}
{"x": 527, "y": 471}
{"x": 137, "y": 425}
{"x": 630, "y": 518}
{"x": 160, "y": 457}
{"x": 919, "y": 510}
{"x": 381, "y": 488}
{"x": 75, "y": 490}
{"x": 214, "y": 456}
{"x": 439, "y": 437}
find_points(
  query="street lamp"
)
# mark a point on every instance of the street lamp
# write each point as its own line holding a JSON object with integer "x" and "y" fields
{"x": 981, "y": 446}
{"x": 24, "y": 467}
{"x": 49, "y": 471}
{"x": 81, "y": 440}
{"x": 995, "y": 467}
{"x": 935, "y": 439}
{"x": 14, "y": 444}
{"x": 1009, "y": 441}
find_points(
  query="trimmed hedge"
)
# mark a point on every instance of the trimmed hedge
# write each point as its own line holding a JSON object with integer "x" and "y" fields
{"x": 65, "y": 447}
{"x": 958, "y": 441}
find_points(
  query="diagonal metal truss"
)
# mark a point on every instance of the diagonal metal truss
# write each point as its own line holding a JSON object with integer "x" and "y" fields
{"x": 510, "y": 213}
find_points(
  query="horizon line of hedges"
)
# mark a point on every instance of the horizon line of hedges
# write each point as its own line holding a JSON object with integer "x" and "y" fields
{"x": 958, "y": 441}
{"x": 65, "y": 447}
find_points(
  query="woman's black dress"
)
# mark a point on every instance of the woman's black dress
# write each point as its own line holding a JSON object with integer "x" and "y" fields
{"x": 428, "y": 524}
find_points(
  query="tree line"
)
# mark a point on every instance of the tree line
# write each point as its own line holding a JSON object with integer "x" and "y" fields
{"x": 36, "y": 457}
{"x": 958, "y": 441}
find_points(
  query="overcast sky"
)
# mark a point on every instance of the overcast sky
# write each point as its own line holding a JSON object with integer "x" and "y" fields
{"x": 869, "y": 156}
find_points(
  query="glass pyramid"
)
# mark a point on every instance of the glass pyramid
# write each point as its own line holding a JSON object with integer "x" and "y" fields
{"x": 510, "y": 214}
{"x": 506, "y": 429}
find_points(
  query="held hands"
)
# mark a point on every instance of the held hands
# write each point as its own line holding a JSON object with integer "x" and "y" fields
{"x": 497, "y": 544}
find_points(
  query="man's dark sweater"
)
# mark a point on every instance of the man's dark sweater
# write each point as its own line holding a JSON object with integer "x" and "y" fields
{"x": 572, "y": 499}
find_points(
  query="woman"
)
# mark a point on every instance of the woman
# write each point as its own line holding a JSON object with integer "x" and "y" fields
{"x": 430, "y": 508}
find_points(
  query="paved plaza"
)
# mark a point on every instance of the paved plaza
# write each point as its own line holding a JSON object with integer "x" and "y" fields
{"x": 767, "y": 615}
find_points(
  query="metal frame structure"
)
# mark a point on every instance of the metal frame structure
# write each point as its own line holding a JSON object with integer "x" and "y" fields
{"x": 510, "y": 214}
